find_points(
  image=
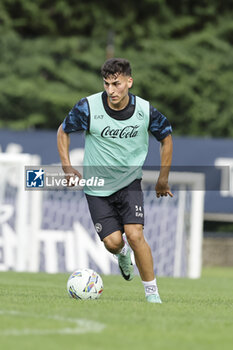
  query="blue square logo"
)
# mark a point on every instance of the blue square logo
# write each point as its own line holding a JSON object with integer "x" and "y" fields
{"x": 35, "y": 178}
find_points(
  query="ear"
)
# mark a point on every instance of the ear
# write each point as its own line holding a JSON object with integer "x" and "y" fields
{"x": 130, "y": 82}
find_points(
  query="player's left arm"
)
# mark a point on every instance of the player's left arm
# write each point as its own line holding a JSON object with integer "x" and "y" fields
{"x": 162, "y": 187}
{"x": 161, "y": 129}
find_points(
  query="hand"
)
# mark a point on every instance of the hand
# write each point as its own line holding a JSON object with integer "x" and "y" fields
{"x": 71, "y": 174}
{"x": 162, "y": 188}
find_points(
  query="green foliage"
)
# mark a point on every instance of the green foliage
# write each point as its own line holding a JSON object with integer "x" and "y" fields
{"x": 42, "y": 78}
{"x": 181, "y": 54}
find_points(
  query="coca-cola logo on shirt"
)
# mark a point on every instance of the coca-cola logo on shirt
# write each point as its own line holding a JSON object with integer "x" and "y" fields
{"x": 126, "y": 132}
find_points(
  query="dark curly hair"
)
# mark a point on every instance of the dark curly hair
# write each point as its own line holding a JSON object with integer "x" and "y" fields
{"x": 115, "y": 66}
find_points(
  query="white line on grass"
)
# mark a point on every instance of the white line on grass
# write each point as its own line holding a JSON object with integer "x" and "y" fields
{"x": 82, "y": 325}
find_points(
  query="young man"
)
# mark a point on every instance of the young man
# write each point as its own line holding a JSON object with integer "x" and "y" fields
{"x": 116, "y": 125}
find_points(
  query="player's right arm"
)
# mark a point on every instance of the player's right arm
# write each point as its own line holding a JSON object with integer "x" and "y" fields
{"x": 63, "y": 145}
{"x": 76, "y": 120}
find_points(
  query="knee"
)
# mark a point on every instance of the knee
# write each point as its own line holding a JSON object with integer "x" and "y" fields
{"x": 114, "y": 243}
{"x": 134, "y": 234}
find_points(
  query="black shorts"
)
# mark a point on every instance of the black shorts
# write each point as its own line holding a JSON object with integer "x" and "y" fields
{"x": 111, "y": 213}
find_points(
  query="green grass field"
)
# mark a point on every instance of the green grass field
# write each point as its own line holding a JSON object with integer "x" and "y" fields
{"x": 37, "y": 314}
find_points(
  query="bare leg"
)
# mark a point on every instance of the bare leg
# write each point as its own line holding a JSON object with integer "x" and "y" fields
{"x": 114, "y": 242}
{"x": 142, "y": 251}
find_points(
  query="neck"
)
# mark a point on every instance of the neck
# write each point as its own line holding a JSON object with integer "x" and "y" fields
{"x": 119, "y": 106}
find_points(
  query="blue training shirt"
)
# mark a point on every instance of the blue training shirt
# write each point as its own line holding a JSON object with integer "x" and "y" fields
{"x": 78, "y": 118}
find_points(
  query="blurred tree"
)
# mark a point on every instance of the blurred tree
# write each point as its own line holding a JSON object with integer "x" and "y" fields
{"x": 181, "y": 53}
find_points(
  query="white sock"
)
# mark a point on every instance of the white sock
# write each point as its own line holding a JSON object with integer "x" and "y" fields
{"x": 150, "y": 287}
{"x": 124, "y": 250}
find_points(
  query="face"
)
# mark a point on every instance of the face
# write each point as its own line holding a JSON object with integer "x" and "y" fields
{"x": 117, "y": 87}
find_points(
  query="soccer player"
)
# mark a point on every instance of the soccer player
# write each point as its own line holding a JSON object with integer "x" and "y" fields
{"x": 116, "y": 125}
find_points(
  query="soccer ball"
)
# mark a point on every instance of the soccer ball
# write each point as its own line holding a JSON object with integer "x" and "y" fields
{"x": 85, "y": 284}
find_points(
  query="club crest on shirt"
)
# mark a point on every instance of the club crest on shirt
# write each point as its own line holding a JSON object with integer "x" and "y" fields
{"x": 140, "y": 115}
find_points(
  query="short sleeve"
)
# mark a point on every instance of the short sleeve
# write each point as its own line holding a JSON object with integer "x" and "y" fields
{"x": 159, "y": 125}
{"x": 78, "y": 118}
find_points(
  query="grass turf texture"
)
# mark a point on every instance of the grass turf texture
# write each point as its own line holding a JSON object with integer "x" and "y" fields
{"x": 195, "y": 314}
